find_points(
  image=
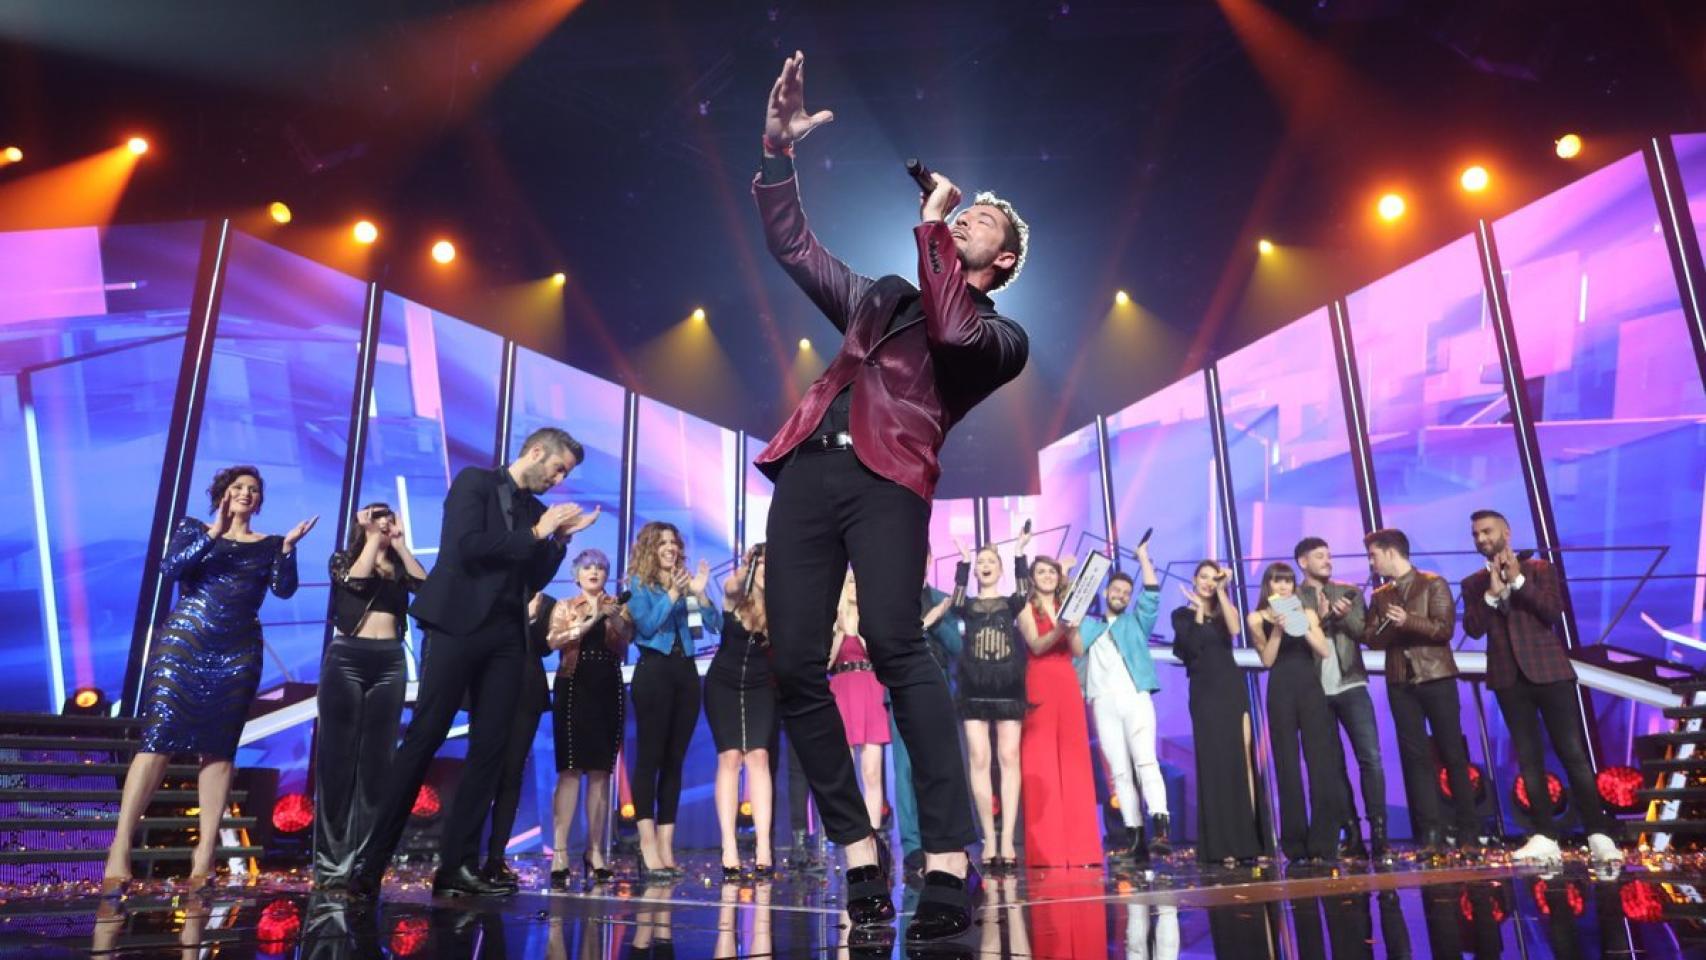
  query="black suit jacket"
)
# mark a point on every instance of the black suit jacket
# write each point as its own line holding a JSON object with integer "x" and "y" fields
{"x": 480, "y": 544}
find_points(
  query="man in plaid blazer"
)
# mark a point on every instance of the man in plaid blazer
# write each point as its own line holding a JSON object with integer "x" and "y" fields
{"x": 1516, "y": 605}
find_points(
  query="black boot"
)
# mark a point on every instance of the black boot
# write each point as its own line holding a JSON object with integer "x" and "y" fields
{"x": 1350, "y": 842}
{"x": 1160, "y": 839}
{"x": 1377, "y": 845}
{"x": 1137, "y": 846}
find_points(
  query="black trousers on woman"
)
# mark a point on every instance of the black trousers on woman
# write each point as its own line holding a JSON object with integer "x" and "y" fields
{"x": 666, "y": 708}
{"x": 361, "y": 706}
{"x": 1297, "y": 707}
{"x": 829, "y": 510}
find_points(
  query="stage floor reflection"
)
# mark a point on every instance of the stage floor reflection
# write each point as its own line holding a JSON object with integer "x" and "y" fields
{"x": 1484, "y": 910}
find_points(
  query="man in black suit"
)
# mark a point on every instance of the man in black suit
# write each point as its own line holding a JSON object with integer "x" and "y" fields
{"x": 499, "y": 546}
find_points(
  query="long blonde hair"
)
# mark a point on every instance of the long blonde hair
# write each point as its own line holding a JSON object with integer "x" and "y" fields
{"x": 644, "y": 570}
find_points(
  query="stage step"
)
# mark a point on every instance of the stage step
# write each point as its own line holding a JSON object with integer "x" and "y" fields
{"x": 137, "y": 855}
{"x": 69, "y": 725}
{"x": 1673, "y": 739}
{"x": 57, "y": 768}
{"x": 1674, "y": 765}
{"x": 1685, "y": 794}
{"x": 1633, "y": 827}
{"x": 68, "y": 744}
{"x": 104, "y": 796}
{"x": 111, "y": 823}
{"x": 1686, "y": 713}
{"x": 1688, "y": 688}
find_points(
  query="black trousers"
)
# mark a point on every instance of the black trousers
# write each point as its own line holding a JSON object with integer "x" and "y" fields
{"x": 1525, "y": 705}
{"x": 360, "y": 702}
{"x": 829, "y": 510}
{"x": 666, "y": 693}
{"x": 799, "y": 792}
{"x": 1297, "y": 709}
{"x": 486, "y": 667}
{"x": 507, "y": 801}
{"x": 1417, "y": 708}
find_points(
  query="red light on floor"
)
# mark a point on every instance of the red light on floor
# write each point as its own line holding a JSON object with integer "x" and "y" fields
{"x": 1642, "y": 902}
{"x": 279, "y": 924}
{"x": 293, "y": 813}
{"x": 1572, "y": 896}
{"x": 1617, "y": 786}
{"x": 409, "y": 936}
{"x": 427, "y": 804}
{"x": 1476, "y": 784}
{"x": 1554, "y": 792}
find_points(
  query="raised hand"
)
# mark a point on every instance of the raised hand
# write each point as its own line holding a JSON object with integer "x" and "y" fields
{"x": 679, "y": 581}
{"x": 965, "y": 553}
{"x": 1024, "y": 538}
{"x": 364, "y": 519}
{"x": 938, "y": 203}
{"x": 785, "y": 117}
{"x": 298, "y": 532}
{"x": 701, "y": 579}
{"x": 553, "y": 518}
{"x": 221, "y": 517}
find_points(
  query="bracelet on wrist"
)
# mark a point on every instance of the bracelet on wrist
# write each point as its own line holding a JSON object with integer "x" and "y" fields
{"x": 777, "y": 148}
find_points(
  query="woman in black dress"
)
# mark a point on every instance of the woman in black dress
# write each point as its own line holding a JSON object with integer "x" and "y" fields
{"x": 1291, "y": 647}
{"x": 1228, "y": 824}
{"x": 740, "y": 707}
{"x": 992, "y": 689}
{"x": 362, "y": 677}
{"x": 591, "y": 631}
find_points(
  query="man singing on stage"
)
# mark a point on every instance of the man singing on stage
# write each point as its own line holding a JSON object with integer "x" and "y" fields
{"x": 855, "y": 467}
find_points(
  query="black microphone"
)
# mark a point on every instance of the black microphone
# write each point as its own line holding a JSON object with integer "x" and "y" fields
{"x": 921, "y": 175}
{"x": 623, "y": 597}
{"x": 751, "y": 579}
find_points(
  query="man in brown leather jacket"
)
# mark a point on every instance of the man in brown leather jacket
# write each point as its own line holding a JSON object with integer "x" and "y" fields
{"x": 1411, "y": 617}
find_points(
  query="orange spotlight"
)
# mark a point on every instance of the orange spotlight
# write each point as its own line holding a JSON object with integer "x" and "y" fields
{"x": 1475, "y": 179}
{"x": 1391, "y": 207}
{"x": 279, "y": 211}
{"x": 805, "y": 344}
{"x": 443, "y": 251}
{"x": 699, "y": 314}
{"x": 136, "y": 145}
{"x": 365, "y": 232}
{"x": 1121, "y": 298}
{"x": 559, "y": 278}
{"x": 11, "y": 155}
{"x": 1265, "y": 247}
{"x": 1568, "y": 146}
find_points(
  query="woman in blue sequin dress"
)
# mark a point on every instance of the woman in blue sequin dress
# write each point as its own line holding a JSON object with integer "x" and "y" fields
{"x": 206, "y": 659}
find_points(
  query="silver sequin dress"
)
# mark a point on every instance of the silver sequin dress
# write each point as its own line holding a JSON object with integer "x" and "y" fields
{"x": 206, "y": 662}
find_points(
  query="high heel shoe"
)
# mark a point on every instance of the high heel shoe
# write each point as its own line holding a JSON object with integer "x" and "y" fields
{"x": 595, "y": 875}
{"x": 560, "y": 878}
{"x": 732, "y": 874}
{"x": 868, "y": 888}
{"x": 764, "y": 871}
{"x": 649, "y": 874}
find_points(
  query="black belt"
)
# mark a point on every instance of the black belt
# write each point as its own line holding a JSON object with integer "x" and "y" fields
{"x": 851, "y": 666}
{"x": 826, "y": 443}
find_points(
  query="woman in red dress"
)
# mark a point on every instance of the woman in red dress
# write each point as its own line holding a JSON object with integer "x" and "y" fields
{"x": 1058, "y": 792}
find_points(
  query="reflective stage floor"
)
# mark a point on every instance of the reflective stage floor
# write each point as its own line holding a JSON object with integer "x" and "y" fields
{"x": 1484, "y": 909}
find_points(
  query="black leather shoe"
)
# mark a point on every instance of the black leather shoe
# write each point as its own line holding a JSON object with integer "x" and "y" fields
{"x": 362, "y": 889}
{"x": 868, "y": 900}
{"x": 1160, "y": 836}
{"x": 464, "y": 882}
{"x": 1377, "y": 845}
{"x": 498, "y": 874}
{"x": 944, "y": 907}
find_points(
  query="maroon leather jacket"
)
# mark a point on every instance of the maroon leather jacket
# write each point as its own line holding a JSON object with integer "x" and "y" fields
{"x": 910, "y": 385}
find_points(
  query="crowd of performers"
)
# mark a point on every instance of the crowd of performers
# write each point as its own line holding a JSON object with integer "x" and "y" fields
{"x": 1027, "y": 684}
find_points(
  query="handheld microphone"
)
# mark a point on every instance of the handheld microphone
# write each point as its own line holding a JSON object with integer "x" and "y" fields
{"x": 1146, "y": 535}
{"x": 751, "y": 580}
{"x": 623, "y": 597}
{"x": 920, "y": 175}
{"x": 1026, "y": 528}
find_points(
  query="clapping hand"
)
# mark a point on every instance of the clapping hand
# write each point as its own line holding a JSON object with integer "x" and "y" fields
{"x": 221, "y": 517}
{"x": 679, "y": 581}
{"x": 579, "y": 520}
{"x": 298, "y": 532}
{"x": 701, "y": 579}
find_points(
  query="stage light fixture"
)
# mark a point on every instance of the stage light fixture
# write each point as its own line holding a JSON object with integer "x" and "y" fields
{"x": 559, "y": 278}
{"x": 365, "y": 232}
{"x": 86, "y": 702}
{"x": 1617, "y": 786}
{"x": 279, "y": 211}
{"x": 1568, "y": 146}
{"x": 1391, "y": 207}
{"x": 12, "y": 155}
{"x": 137, "y": 145}
{"x": 443, "y": 251}
{"x": 805, "y": 344}
{"x": 1475, "y": 179}
{"x": 1121, "y": 298}
{"x": 293, "y": 813}
{"x": 627, "y": 811}
{"x": 1265, "y": 247}
{"x": 699, "y": 314}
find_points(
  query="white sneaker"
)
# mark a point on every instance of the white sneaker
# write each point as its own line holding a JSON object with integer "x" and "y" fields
{"x": 1539, "y": 850}
{"x": 1603, "y": 850}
